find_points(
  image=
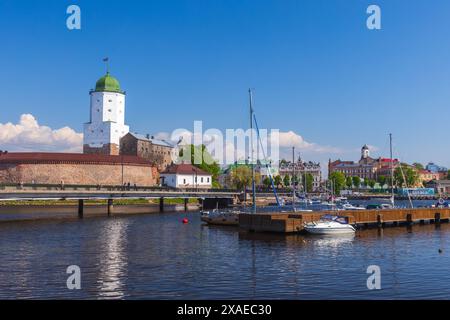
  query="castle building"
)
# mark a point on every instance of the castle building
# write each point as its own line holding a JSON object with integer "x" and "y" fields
{"x": 100, "y": 163}
{"x": 107, "y": 118}
{"x": 158, "y": 152}
{"x": 75, "y": 169}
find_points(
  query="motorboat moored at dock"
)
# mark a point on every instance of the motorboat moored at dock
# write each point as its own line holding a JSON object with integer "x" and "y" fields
{"x": 329, "y": 224}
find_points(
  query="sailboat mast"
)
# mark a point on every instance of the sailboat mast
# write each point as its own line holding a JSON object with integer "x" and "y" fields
{"x": 251, "y": 151}
{"x": 292, "y": 179}
{"x": 392, "y": 169}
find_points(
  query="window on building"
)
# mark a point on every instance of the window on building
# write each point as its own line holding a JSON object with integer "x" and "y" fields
{"x": 184, "y": 181}
{"x": 207, "y": 179}
{"x": 201, "y": 180}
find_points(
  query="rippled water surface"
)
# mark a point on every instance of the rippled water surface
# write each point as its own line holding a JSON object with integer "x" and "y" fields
{"x": 156, "y": 256}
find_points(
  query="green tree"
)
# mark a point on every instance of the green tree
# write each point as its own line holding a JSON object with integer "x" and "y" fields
{"x": 448, "y": 174}
{"x": 241, "y": 177}
{"x": 338, "y": 180}
{"x": 295, "y": 180}
{"x": 410, "y": 174}
{"x": 277, "y": 181}
{"x": 356, "y": 182}
{"x": 287, "y": 181}
{"x": 267, "y": 182}
{"x": 381, "y": 180}
{"x": 372, "y": 183}
{"x": 349, "y": 182}
{"x": 366, "y": 182}
{"x": 308, "y": 181}
{"x": 418, "y": 166}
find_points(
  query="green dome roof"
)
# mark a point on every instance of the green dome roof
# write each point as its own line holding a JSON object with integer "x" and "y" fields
{"x": 108, "y": 83}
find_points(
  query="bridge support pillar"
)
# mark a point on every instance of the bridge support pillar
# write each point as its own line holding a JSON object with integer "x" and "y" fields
{"x": 161, "y": 204}
{"x": 110, "y": 207}
{"x": 186, "y": 204}
{"x": 80, "y": 208}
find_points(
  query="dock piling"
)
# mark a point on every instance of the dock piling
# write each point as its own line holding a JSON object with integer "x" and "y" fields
{"x": 161, "y": 204}
{"x": 80, "y": 208}
{"x": 437, "y": 217}
{"x": 185, "y": 204}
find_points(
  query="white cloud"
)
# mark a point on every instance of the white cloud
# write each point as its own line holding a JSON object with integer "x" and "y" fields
{"x": 291, "y": 139}
{"x": 29, "y": 135}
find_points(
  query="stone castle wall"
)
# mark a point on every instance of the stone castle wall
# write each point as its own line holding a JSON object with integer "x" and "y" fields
{"x": 73, "y": 173}
{"x": 109, "y": 148}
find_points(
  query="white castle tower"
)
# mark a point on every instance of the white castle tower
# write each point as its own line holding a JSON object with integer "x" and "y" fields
{"x": 107, "y": 118}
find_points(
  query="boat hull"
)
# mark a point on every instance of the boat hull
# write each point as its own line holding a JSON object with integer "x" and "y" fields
{"x": 228, "y": 220}
{"x": 316, "y": 230}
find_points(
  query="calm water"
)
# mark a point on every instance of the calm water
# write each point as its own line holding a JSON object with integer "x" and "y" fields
{"x": 156, "y": 256}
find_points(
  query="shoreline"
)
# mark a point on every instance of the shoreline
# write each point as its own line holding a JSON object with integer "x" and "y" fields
{"x": 20, "y": 213}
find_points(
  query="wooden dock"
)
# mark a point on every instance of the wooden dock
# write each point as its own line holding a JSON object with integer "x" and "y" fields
{"x": 293, "y": 222}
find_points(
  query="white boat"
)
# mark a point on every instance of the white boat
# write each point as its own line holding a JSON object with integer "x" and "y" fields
{"x": 223, "y": 218}
{"x": 329, "y": 224}
{"x": 348, "y": 206}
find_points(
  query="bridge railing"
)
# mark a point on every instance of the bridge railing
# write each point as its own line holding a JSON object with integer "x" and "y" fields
{"x": 98, "y": 187}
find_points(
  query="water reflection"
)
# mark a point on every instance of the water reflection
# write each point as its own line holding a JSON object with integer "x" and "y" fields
{"x": 158, "y": 257}
{"x": 113, "y": 259}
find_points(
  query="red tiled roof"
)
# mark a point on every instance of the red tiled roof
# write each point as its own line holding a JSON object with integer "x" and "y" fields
{"x": 51, "y": 157}
{"x": 388, "y": 160}
{"x": 184, "y": 169}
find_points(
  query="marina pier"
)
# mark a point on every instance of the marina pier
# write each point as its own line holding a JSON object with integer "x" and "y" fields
{"x": 293, "y": 222}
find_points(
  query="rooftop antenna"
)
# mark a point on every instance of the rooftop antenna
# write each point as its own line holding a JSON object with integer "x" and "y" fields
{"x": 106, "y": 61}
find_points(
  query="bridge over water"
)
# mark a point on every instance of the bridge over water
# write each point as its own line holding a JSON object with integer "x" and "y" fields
{"x": 25, "y": 192}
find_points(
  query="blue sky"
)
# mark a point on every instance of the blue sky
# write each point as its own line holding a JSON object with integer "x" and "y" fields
{"x": 314, "y": 66}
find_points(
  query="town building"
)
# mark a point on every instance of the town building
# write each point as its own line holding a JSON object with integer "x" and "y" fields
{"x": 158, "y": 152}
{"x": 185, "y": 176}
{"x": 299, "y": 169}
{"x": 366, "y": 168}
{"x": 75, "y": 168}
{"x": 442, "y": 187}
{"x": 435, "y": 168}
{"x": 426, "y": 176}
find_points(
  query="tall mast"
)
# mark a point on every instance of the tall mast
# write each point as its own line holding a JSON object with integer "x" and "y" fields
{"x": 292, "y": 179}
{"x": 392, "y": 170}
{"x": 251, "y": 150}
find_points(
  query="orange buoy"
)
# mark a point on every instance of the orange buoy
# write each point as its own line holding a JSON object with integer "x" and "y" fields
{"x": 185, "y": 220}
